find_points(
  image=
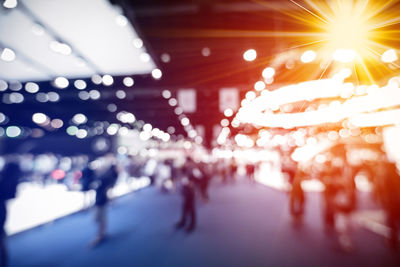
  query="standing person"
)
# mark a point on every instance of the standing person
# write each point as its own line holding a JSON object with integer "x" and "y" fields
{"x": 107, "y": 181}
{"x": 8, "y": 187}
{"x": 88, "y": 177}
{"x": 188, "y": 195}
{"x": 205, "y": 181}
{"x": 297, "y": 198}
{"x": 250, "y": 170}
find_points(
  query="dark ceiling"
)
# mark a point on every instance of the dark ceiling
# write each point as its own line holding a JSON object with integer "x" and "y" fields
{"x": 183, "y": 29}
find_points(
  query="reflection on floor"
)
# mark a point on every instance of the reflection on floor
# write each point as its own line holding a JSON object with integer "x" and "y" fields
{"x": 244, "y": 224}
{"x": 36, "y": 204}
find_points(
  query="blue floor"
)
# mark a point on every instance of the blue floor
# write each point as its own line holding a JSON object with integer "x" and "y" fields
{"x": 243, "y": 225}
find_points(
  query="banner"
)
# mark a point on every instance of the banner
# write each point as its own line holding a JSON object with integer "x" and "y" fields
{"x": 187, "y": 100}
{"x": 228, "y": 98}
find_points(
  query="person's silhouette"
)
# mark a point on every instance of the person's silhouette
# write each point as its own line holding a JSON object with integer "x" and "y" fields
{"x": 8, "y": 186}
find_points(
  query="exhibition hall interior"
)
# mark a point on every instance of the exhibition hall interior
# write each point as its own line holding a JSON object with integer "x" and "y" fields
{"x": 199, "y": 133}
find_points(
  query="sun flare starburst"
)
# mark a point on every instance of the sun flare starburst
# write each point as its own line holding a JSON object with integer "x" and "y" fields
{"x": 357, "y": 32}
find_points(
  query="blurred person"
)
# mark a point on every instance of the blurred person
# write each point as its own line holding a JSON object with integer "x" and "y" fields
{"x": 339, "y": 195}
{"x": 188, "y": 195}
{"x": 8, "y": 187}
{"x": 289, "y": 168}
{"x": 250, "y": 171}
{"x": 387, "y": 186}
{"x": 205, "y": 181}
{"x": 87, "y": 181}
{"x": 107, "y": 181}
{"x": 297, "y": 197}
{"x": 233, "y": 170}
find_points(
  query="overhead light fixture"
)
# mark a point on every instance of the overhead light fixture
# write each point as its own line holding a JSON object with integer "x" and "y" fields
{"x": 250, "y": 55}
{"x": 10, "y": 3}
{"x": 7, "y": 55}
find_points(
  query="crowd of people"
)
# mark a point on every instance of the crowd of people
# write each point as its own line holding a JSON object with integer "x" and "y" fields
{"x": 192, "y": 177}
{"x": 338, "y": 175}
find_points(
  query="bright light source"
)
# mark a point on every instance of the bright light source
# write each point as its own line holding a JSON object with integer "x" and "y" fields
{"x": 147, "y": 127}
{"x": 72, "y": 130}
{"x": 94, "y": 94}
{"x": 308, "y": 56}
{"x": 250, "y": 55}
{"x": 178, "y": 110}
{"x": 144, "y": 136}
{"x": 185, "y": 121}
{"x": 112, "y": 129}
{"x": 166, "y": 94}
{"x": 3, "y": 85}
{"x": 2, "y": 118}
{"x": 42, "y": 97}
{"x": 61, "y": 82}
{"x": 53, "y": 96}
{"x": 31, "y": 87}
{"x": 123, "y": 131}
{"x": 171, "y": 129}
{"x": 268, "y": 73}
{"x": 10, "y": 3}
{"x": 144, "y": 57}
{"x": 228, "y": 112}
{"x": 7, "y": 55}
{"x": 166, "y": 137}
{"x": 126, "y": 117}
{"x": 172, "y": 102}
{"x": 120, "y": 94}
{"x": 259, "y": 86}
{"x": 347, "y": 30}
{"x": 192, "y": 134}
{"x": 80, "y": 84}
{"x": 57, "y": 123}
{"x": 235, "y": 123}
{"x": 96, "y": 79}
{"x": 156, "y": 73}
{"x": 224, "y": 122}
{"x": 121, "y": 20}
{"x": 112, "y": 107}
{"x": 39, "y": 118}
{"x": 79, "y": 118}
{"x": 84, "y": 95}
{"x": 389, "y": 56}
{"x": 138, "y": 43}
{"x": 165, "y": 57}
{"x": 81, "y": 133}
{"x": 206, "y": 52}
{"x": 15, "y": 86}
{"x": 60, "y": 48}
{"x": 250, "y": 95}
{"x": 13, "y": 131}
{"x": 344, "y": 55}
{"x": 16, "y": 98}
{"x": 128, "y": 81}
{"x": 108, "y": 80}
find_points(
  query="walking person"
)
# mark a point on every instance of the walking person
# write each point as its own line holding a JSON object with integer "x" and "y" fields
{"x": 107, "y": 181}
{"x": 188, "y": 195}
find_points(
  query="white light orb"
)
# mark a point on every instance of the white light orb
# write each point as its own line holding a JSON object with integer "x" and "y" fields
{"x": 156, "y": 73}
{"x": 250, "y": 55}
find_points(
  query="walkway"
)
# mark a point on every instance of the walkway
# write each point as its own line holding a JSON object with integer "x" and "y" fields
{"x": 243, "y": 225}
